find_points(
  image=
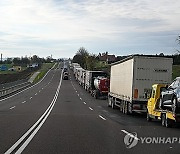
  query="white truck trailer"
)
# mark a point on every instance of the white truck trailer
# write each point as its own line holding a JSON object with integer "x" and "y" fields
{"x": 81, "y": 78}
{"x": 131, "y": 80}
{"x": 76, "y": 72}
{"x": 74, "y": 66}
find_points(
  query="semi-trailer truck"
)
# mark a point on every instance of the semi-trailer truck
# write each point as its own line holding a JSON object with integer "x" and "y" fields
{"x": 131, "y": 80}
{"x": 89, "y": 80}
{"x": 101, "y": 87}
{"x": 155, "y": 108}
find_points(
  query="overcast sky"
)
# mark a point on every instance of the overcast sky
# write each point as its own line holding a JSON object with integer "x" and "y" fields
{"x": 61, "y": 27}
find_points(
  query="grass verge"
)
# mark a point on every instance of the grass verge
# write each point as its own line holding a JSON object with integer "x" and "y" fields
{"x": 176, "y": 71}
{"x": 44, "y": 68}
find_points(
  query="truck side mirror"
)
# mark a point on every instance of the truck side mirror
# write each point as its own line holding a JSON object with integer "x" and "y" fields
{"x": 167, "y": 86}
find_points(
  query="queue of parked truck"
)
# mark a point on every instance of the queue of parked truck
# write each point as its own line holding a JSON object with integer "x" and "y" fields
{"x": 95, "y": 82}
{"x": 137, "y": 83}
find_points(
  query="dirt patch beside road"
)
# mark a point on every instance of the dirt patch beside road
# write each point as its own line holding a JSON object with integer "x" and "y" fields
{"x": 6, "y": 78}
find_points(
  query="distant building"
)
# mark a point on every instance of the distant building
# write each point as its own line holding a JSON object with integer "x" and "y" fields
{"x": 33, "y": 65}
{"x": 17, "y": 68}
{"x": 106, "y": 58}
{"x": 3, "y": 68}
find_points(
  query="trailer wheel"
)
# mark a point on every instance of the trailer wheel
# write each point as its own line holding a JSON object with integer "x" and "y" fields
{"x": 130, "y": 108}
{"x": 113, "y": 106}
{"x": 126, "y": 110}
{"x": 96, "y": 94}
{"x": 121, "y": 107}
{"x": 124, "y": 107}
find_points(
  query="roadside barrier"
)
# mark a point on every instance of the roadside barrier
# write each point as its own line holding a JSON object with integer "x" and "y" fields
{"x": 10, "y": 90}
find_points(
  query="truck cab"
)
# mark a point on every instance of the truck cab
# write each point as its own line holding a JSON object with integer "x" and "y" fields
{"x": 154, "y": 100}
{"x": 65, "y": 76}
{"x": 155, "y": 110}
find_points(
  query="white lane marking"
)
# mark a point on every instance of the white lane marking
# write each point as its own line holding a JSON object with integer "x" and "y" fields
{"x": 30, "y": 98}
{"x": 76, "y": 91}
{"x": 12, "y": 107}
{"x": 42, "y": 119}
{"x": 35, "y": 93}
{"x": 42, "y": 88}
{"x": 78, "y": 94}
{"x": 80, "y": 98}
{"x": 130, "y": 134}
{"x": 23, "y": 102}
{"x": 102, "y": 117}
{"x": 39, "y": 91}
{"x": 84, "y": 102}
{"x": 28, "y": 87}
{"x": 90, "y": 108}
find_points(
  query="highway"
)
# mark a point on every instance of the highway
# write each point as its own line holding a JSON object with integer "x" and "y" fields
{"x": 59, "y": 116}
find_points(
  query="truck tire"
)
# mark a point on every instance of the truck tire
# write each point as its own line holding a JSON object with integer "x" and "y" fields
{"x": 113, "y": 106}
{"x": 96, "y": 94}
{"x": 168, "y": 123}
{"x": 109, "y": 101}
{"x": 174, "y": 105}
{"x": 126, "y": 109}
{"x": 163, "y": 119}
{"x": 148, "y": 118}
{"x": 123, "y": 107}
{"x": 161, "y": 106}
{"x": 130, "y": 108}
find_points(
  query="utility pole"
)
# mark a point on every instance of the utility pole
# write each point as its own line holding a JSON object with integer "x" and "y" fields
{"x": 1, "y": 58}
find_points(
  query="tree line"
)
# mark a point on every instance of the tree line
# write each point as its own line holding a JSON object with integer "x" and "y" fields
{"x": 91, "y": 61}
{"x": 24, "y": 61}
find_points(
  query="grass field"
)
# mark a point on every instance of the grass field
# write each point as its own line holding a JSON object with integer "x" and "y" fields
{"x": 7, "y": 72}
{"x": 11, "y": 72}
{"x": 44, "y": 68}
{"x": 176, "y": 71}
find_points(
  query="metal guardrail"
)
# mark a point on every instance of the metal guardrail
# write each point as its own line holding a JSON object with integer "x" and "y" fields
{"x": 13, "y": 89}
{"x": 10, "y": 84}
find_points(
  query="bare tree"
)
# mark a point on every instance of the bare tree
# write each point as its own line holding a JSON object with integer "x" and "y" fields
{"x": 81, "y": 57}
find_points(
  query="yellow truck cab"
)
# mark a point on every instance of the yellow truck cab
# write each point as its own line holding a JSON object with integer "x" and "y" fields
{"x": 154, "y": 110}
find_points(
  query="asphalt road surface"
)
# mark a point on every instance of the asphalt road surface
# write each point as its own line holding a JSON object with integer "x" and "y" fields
{"x": 59, "y": 116}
